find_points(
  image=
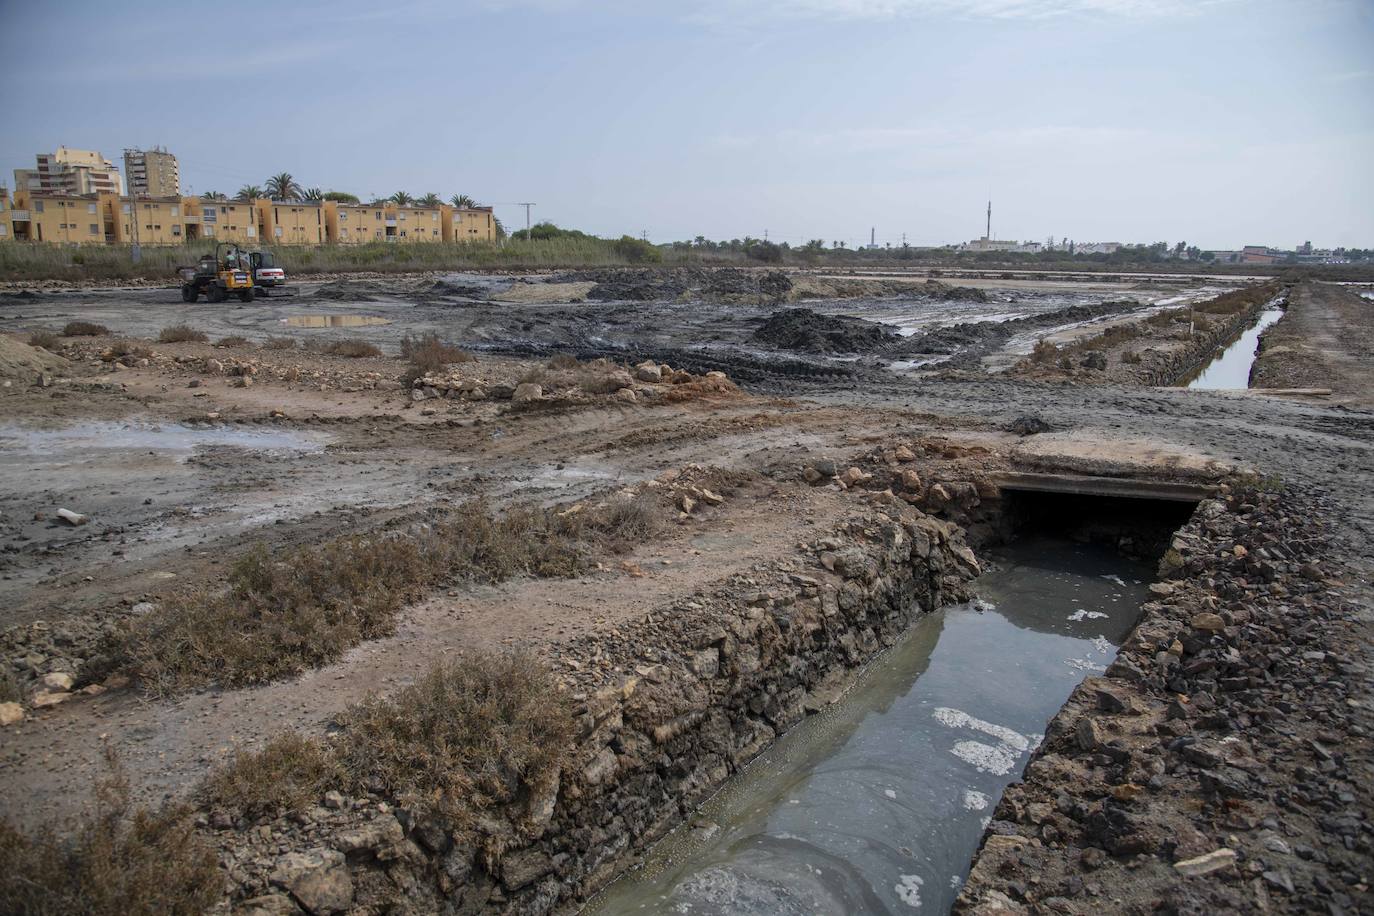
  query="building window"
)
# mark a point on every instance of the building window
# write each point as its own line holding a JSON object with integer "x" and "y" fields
{"x": 90, "y": 208}
{"x": 343, "y": 217}
{"x": 176, "y": 209}
{"x": 38, "y": 206}
{"x": 176, "y": 230}
{"x": 208, "y": 231}
{"x": 252, "y": 232}
{"x": 95, "y": 229}
{"x": 124, "y": 208}
{"x": 4, "y": 228}
{"x": 277, "y": 231}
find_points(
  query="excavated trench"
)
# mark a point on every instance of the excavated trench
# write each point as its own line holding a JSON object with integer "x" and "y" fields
{"x": 877, "y": 804}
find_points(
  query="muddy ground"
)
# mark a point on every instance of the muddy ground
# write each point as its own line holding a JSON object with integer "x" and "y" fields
{"x": 179, "y": 466}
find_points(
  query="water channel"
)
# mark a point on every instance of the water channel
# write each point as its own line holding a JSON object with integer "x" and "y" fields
{"x": 1231, "y": 369}
{"x": 876, "y": 805}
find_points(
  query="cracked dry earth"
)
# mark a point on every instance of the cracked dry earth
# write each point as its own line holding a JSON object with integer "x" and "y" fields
{"x": 177, "y": 479}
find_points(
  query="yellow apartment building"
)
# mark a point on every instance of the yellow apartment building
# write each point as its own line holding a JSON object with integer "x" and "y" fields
{"x": 59, "y": 219}
{"x": 6, "y": 215}
{"x": 228, "y": 220}
{"x": 108, "y": 218}
{"x": 353, "y": 224}
{"x": 475, "y": 225}
{"x": 293, "y": 222}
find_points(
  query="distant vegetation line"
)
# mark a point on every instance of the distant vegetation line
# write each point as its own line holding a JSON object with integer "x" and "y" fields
{"x": 547, "y": 246}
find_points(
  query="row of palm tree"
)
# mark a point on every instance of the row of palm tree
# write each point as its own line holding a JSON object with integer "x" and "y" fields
{"x": 284, "y": 186}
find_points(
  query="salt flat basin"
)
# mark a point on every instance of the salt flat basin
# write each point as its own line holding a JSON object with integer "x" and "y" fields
{"x": 876, "y": 805}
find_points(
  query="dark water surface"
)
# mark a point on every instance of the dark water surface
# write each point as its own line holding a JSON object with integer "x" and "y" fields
{"x": 877, "y": 804}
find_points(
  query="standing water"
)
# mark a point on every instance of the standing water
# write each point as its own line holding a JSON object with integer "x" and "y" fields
{"x": 876, "y": 805}
{"x": 1232, "y": 368}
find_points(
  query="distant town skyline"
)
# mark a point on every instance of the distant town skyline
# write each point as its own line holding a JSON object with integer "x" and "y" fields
{"x": 1222, "y": 123}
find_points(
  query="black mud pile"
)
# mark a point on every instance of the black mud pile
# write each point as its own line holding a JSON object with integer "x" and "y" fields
{"x": 726, "y": 284}
{"x": 975, "y": 339}
{"x": 344, "y": 291}
{"x": 806, "y": 331}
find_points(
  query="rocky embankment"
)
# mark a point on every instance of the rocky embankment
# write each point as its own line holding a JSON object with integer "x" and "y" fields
{"x": 667, "y": 709}
{"x": 1222, "y": 763}
{"x": 1165, "y": 349}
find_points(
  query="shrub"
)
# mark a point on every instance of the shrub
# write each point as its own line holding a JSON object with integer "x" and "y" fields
{"x": 118, "y": 860}
{"x": 279, "y": 343}
{"x": 233, "y": 340}
{"x": 1044, "y": 352}
{"x": 181, "y": 333}
{"x": 84, "y": 329}
{"x": 637, "y": 251}
{"x": 563, "y": 361}
{"x": 45, "y": 339}
{"x": 10, "y": 691}
{"x": 352, "y": 348}
{"x": 280, "y": 616}
{"x": 122, "y": 348}
{"x": 464, "y": 737}
{"x": 288, "y": 774}
{"x": 429, "y": 354}
{"x": 1130, "y": 357}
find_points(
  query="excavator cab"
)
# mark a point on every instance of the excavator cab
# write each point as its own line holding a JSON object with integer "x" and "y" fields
{"x": 219, "y": 275}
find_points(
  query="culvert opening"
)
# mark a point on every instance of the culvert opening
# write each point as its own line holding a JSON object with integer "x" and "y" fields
{"x": 1137, "y": 526}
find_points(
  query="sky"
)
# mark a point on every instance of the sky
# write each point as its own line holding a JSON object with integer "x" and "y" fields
{"x": 1217, "y": 122}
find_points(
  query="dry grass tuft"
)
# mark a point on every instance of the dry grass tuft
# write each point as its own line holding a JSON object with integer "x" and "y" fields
{"x": 131, "y": 348}
{"x": 10, "y": 691}
{"x": 118, "y": 860}
{"x": 430, "y": 355}
{"x": 280, "y": 616}
{"x": 84, "y": 329}
{"x": 288, "y": 774}
{"x": 462, "y": 739}
{"x": 598, "y": 376}
{"x": 352, "y": 347}
{"x": 45, "y": 339}
{"x": 279, "y": 343}
{"x": 233, "y": 340}
{"x": 182, "y": 333}
{"x": 465, "y": 737}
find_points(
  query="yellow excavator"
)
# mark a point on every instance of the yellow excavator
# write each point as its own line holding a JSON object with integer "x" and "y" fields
{"x": 222, "y": 274}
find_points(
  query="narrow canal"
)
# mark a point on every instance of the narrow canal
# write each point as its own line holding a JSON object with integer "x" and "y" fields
{"x": 876, "y": 805}
{"x": 1231, "y": 368}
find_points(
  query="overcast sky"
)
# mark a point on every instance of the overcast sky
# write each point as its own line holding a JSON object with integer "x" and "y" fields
{"x": 1219, "y": 122}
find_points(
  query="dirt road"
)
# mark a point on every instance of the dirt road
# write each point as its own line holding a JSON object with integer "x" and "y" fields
{"x": 1324, "y": 340}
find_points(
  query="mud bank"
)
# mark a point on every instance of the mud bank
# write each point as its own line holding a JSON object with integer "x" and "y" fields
{"x": 1220, "y": 764}
{"x": 666, "y": 713}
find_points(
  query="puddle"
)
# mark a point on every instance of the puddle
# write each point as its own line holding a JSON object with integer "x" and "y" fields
{"x": 1232, "y": 368}
{"x": 171, "y": 437}
{"x": 876, "y": 805}
{"x": 334, "y": 321}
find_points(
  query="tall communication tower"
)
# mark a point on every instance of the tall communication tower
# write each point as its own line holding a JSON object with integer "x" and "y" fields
{"x": 989, "y": 235}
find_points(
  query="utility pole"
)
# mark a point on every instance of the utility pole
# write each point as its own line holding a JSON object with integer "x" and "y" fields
{"x": 765, "y": 235}
{"x": 136, "y": 252}
{"x": 872, "y": 236}
{"x": 528, "y": 228}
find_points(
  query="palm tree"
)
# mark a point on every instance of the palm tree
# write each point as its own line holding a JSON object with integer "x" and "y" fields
{"x": 213, "y": 195}
{"x": 430, "y": 200}
{"x": 283, "y": 187}
{"x": 500, "y": 228}
{"x": 312, "y": 194}
{"x": 401, "y": 198}
{"x": 249, "y": 192}
{"x": 463, "y": 202}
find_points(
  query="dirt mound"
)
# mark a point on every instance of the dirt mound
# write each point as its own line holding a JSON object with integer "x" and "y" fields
{"x": 725, "y": 284}
{"x": 22, "y": 362}
{"x": 934, "y": 289}
{"x": 812, "y": 332}
{"x": 343, "y": 290}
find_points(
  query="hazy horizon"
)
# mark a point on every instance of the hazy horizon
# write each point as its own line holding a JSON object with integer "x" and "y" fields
{"x": 1221, "y": 122}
